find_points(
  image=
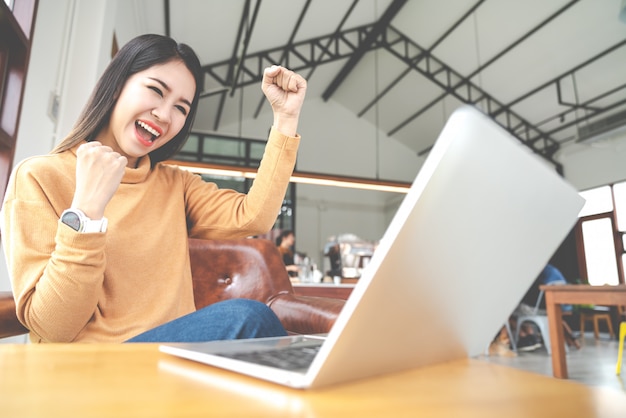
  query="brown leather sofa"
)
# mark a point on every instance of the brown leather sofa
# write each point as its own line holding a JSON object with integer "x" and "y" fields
{"x": 246, "y": 268}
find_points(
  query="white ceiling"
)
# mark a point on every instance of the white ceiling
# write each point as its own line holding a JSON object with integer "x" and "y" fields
{"x": 518, "y": 53}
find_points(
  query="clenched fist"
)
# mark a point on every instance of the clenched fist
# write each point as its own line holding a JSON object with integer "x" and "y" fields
{"x": 99, "y": 171}
{"x": 285, "y": 91}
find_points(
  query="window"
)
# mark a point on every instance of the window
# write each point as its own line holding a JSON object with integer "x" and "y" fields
{"x": 601, "y": 235}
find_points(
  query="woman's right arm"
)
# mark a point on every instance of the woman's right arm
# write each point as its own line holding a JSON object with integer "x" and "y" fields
{"x": 56, "y": 273}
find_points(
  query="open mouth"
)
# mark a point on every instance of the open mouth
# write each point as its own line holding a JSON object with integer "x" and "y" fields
{"x": 147, "y": 132}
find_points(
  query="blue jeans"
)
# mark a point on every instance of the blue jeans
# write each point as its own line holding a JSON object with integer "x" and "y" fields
{"x": 226, "y": 320}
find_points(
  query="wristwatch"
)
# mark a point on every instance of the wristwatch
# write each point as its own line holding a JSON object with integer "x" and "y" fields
{"x": 78, "y": 221}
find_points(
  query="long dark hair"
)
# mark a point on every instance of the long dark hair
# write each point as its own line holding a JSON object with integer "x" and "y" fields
{"x": 137, "y": 55}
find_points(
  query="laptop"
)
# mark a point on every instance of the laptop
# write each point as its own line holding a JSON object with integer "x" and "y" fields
{"x": 480, "y": 221}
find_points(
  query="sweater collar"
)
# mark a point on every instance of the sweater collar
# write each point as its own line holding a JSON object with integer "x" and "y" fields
{"x": 139, "y": 174}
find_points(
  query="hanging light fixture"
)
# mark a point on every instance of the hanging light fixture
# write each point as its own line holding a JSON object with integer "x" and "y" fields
{"x": 297, "y": 177}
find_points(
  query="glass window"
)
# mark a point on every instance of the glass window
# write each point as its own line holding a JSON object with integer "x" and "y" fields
{"x": 192, "y": 144}
{"x": 619, "y": 194}
{"x": 600, "y": 252}
{"x": 221, "y": 146}
{"x": 597, "y": 200}
{"x": 218, "y": 149}
{"x": 256, "y": 151}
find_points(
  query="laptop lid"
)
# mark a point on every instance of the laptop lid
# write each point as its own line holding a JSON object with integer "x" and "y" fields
{"x": 481, "y": 220}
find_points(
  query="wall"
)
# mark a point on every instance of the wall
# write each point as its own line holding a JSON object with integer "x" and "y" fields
{"x": 70, "y": 49}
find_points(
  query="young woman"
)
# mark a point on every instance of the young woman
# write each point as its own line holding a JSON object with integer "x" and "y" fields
{"x": 95, "y": 233}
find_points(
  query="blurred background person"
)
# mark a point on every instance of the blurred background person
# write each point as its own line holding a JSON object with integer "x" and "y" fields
{"x": 285, "y": 243}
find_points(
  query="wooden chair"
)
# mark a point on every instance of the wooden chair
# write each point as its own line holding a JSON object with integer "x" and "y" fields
{"x": 596, "y": 314}
{"x": 245, "y": 268}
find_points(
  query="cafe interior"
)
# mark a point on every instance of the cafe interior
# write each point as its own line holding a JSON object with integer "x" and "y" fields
{"x": 383, "y": 77}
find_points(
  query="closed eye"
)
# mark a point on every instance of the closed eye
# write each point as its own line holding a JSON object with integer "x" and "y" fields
{"x": 182, "y": 109}
{"x": 157, "y": 90}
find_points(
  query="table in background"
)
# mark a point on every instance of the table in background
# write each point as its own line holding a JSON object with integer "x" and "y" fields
{"x": 328, "y": 290}
{"x": 136, "y": 380}
{"x": 578, "y": 294}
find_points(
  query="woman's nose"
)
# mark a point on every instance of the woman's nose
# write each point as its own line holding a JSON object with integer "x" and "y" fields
{"x": 161, "y": 113}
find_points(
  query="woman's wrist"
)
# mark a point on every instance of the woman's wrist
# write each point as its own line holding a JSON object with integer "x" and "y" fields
{"x": 287, "y": 125}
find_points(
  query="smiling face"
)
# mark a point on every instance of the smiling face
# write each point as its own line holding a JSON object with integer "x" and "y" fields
{"x": 151, "y": 110}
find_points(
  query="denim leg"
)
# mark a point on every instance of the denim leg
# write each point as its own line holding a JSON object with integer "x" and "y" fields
{"x": 226, "y": 320}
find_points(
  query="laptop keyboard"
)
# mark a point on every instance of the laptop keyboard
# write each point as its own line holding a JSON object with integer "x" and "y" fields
{"x": 294, "y": 358}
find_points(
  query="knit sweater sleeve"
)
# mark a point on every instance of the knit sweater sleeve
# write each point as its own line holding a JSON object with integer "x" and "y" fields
{"x": 214, "y": 213}
{"x": 56, "y": 273}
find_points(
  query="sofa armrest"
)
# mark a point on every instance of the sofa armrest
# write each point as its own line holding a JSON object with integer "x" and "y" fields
{"x": 9, "y": 324}
{"x": 306, "y": 314}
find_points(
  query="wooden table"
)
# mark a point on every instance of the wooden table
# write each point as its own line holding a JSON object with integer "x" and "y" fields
{"x": 573, "y": 294}
{"x": 136, "y": 380}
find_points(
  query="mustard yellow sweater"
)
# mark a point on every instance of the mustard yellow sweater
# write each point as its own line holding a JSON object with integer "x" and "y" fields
{"x": 108, "y": 287}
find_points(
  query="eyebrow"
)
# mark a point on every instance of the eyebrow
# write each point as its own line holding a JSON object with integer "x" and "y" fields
{"x": 166, "y": 87}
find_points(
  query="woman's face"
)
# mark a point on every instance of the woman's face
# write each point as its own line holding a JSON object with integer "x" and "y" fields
{"x": 151, "y": 110}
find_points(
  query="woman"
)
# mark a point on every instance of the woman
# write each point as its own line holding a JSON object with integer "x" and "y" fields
{"x": 95, "y": 233}
{"x": 285, "y": 242}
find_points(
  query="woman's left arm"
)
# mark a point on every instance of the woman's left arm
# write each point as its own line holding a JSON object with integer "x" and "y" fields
{"x": 222, "y": 213}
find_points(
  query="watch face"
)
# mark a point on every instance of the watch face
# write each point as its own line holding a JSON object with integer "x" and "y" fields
{"x": 72, "y": 220}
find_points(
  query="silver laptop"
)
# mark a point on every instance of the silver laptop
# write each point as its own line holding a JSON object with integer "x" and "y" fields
{"x": 481, "y": 220}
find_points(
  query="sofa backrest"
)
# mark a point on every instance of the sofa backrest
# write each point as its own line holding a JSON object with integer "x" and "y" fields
{"x": 245, "y": 268}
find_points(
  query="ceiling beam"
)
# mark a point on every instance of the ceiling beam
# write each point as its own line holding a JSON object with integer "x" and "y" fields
{"x": 550, "y": 146}
{"x": 313, "y": 52}
{"x": 568, "y": 73}
{"x": 301, "y": 55}
{"x": 234, "y": 56}
{"x": 592, "y": 111}
{"x": 246, "y": 42}
{"x": 237, "y": 57}
{"x": 166, "y": 17}
{"x": 337, "y": 32}
{"x": 365, "y": 46}
{"x": 451, "y": 29}
{"x": 523, "y": 38}
{"x": 590, "y": 114}
{"x": 284, "y": 55}
{"x": 453, "y": 83}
